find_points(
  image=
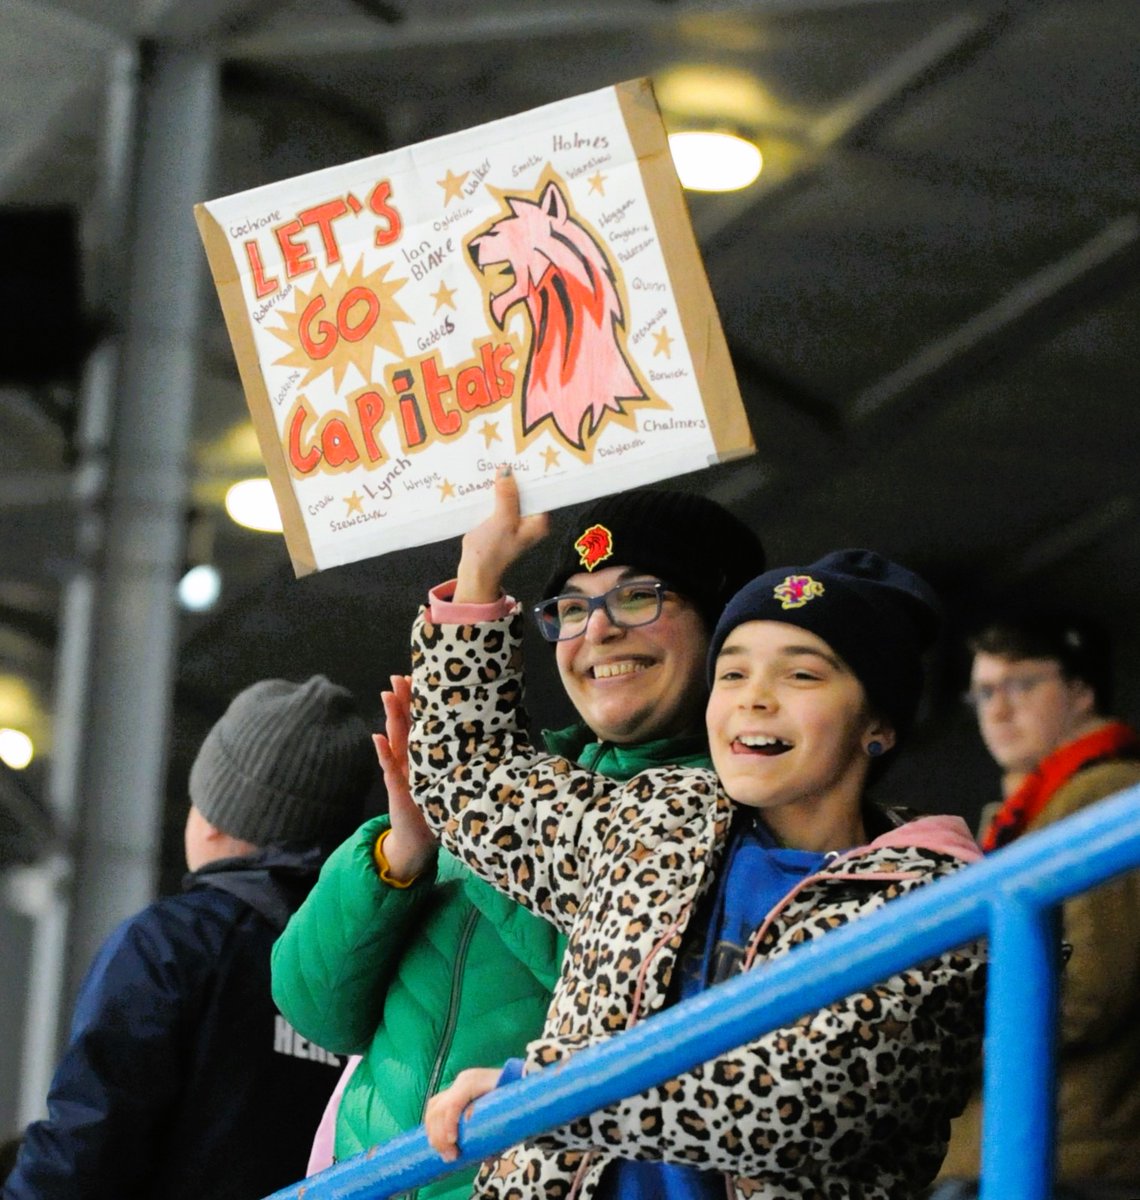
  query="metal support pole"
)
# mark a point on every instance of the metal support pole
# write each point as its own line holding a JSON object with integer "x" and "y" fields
{"x": 136, "y": 622}
{"x": 120, "y": 614}
{"x": 104, "y": 279}
{"x": 1021, "y": 1020}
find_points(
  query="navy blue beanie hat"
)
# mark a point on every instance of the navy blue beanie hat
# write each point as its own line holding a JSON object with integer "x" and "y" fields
{"x": 688, "y": 541}
{"x": 875, "y": 614}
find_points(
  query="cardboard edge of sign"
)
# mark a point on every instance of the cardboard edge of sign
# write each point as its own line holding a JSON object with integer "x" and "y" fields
{"x": 708, "y": 349}
{"x": 704, "y": 336}
{"x": 234, "y": 310}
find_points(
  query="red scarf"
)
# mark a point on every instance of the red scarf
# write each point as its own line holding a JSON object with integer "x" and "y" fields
{"x": 1020, "y": 808}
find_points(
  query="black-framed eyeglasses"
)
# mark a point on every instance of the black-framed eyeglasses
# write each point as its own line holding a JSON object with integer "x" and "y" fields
{"x": 627, "y": 605}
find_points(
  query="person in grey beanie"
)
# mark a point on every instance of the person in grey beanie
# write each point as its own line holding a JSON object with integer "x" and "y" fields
{"x": 181, "y": 1079}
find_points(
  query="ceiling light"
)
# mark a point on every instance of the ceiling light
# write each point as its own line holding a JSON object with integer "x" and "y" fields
{"x": 708, "y": 161}
{"x": 710, "y": 93}
{"x": 16, "y": 749}
{"x": 251, "y": 503}
{"x": 200, "y": 587}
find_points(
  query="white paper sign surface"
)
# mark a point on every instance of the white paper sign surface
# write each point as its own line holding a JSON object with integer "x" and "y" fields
{"x": 526, "y": 292}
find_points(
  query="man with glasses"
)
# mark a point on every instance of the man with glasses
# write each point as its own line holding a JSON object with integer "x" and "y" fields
{"x": 1040, "y": 686}
{"x": 404, "y": 957}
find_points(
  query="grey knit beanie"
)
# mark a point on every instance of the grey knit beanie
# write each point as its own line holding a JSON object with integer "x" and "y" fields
{"x": 287, "y": 762}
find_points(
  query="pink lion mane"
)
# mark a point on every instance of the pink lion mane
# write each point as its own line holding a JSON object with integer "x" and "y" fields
{"x": 576, "y": 369}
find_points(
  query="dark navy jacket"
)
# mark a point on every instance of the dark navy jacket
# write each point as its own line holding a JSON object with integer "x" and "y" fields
{"x": 181, "y": 1079}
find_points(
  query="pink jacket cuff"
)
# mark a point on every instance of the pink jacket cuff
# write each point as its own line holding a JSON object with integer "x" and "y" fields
{"x": 444, "y": 611}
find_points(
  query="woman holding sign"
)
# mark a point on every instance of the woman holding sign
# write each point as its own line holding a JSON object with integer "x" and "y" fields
{"x": 400, "y": 954}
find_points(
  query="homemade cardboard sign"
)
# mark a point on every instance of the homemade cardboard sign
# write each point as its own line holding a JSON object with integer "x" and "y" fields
{"x": 529, "y": 292}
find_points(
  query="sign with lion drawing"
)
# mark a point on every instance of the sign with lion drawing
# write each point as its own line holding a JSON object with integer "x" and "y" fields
{"x": 529, "y": 292}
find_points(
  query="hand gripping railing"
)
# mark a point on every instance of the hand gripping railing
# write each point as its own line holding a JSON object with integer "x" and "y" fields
{"x": 1011, "y": 897}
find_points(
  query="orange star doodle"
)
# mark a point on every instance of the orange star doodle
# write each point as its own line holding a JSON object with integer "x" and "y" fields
{"x": 355, "y": 503}
{"x": 490, "y": 432}
{"x": 597, "y": 183}
{"x": 446, "y": 490}
{"x": 550, "y": 457}
{"x": 444, "y": 295}
{"x": 452, "y": 185}
{"x": 661, "y": 342}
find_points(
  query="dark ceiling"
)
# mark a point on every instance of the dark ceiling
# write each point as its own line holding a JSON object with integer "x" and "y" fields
{"x": 930, "y": 295}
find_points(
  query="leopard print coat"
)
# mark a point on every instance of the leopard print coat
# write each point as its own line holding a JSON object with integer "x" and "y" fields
{"x": 852, "y": 1102}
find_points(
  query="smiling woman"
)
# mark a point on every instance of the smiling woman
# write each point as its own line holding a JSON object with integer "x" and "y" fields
{"x": 638, "y": 580}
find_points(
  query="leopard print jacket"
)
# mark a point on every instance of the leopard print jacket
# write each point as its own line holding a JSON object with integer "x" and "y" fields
{"x": 852, "y": 1102}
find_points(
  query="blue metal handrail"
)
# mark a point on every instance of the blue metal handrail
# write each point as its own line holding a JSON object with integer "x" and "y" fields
{"x": 1010, "y": 897}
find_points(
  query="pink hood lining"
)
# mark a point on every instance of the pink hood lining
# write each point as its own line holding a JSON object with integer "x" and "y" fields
{"x": 942, "y": 835}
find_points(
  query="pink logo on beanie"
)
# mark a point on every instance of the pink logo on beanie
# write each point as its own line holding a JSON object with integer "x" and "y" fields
{"x": 797, "y": 590}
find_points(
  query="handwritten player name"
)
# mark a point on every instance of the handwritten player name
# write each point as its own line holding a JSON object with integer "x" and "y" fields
{"x": 286, "y": 388}
{"x": 579, "y": 141}
{"x": 619, "y": 214}
{"x": 621, "y": 448}
{"x": 595, "y": 161}
{"x": 438, "y": 333}
{"x": 383, "y": 489}
{"x": 629, "y": 231}
{"x": 252, "y": 223}
{"x": 478, "y": 174}
{"x": 632, "y": 251}
{"x": 267, "y": 306}
{"x": 443, "y": 222}
{"x": 423, "y": 481}
{"x": 652, "y": 425}
{"x": 484, "y": 465}
{"x": 642, "y": 330}
{"x": 425, "y": 257}
{"x": 521, "y": 168}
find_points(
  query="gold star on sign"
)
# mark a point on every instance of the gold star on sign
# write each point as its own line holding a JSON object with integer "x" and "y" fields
{"x": 444, "y": 295}
{"x": 452, "y": 185}
{"x": 597, "y": 183}
{"x": 447, "y": 490}
{"x": 490, "y": 432}
{"x": 662, "y": 342}
{"x": 550, "y": 457}
{"x": 355, "y": 503}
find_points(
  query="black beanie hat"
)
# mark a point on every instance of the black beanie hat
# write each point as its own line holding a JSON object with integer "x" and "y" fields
{"x": 875, "y": 614}
{"x": 286, "y": 762}
{"x": 686, "y": 540}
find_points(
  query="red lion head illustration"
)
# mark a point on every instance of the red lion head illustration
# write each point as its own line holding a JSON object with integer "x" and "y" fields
{"x": 594, "y": 546}
{"x": 576, "y": 369}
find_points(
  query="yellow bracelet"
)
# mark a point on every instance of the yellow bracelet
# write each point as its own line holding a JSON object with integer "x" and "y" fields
{"x": 384, "y": 867}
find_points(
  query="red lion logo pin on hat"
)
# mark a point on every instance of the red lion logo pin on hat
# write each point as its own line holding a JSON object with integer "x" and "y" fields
{"x": 594, "y": 546}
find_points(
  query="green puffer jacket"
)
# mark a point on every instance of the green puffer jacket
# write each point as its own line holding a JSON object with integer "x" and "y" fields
{"x": 427, "y": 980}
